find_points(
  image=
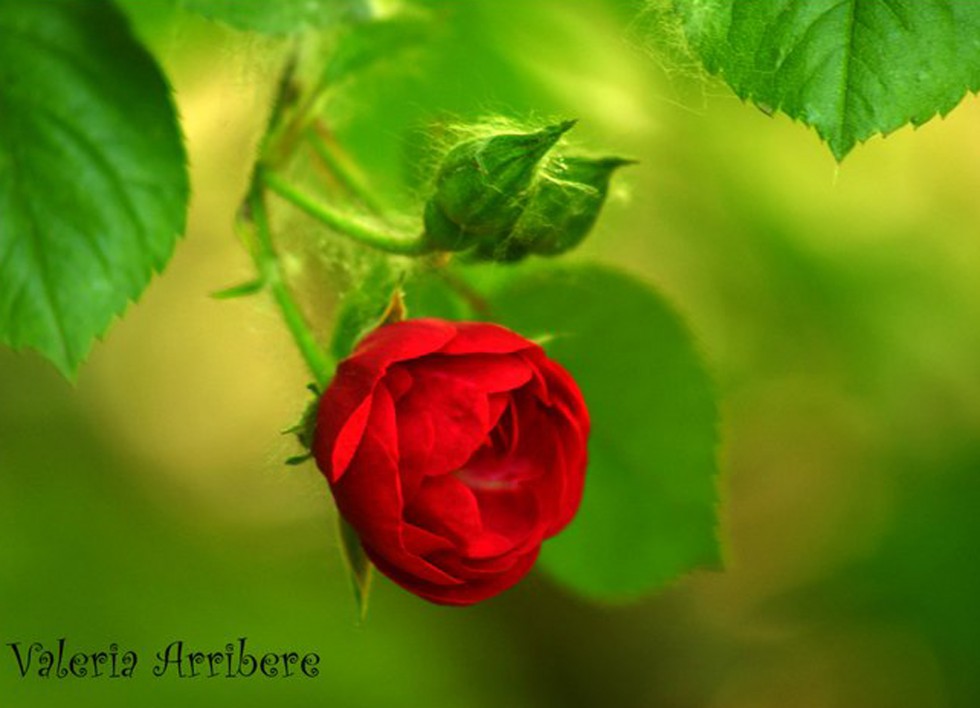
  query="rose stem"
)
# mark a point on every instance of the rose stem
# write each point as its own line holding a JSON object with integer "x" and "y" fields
{"x": 342, "y": 167}
{"x": 267, "y": 262}
{"x": 351, "y": 177}
{"x": 344, "y": 224}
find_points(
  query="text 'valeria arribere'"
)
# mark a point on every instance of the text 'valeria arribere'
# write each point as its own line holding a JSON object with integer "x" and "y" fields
{"x": 176, "y": 659}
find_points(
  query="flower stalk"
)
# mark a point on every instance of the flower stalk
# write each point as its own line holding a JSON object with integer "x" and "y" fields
{"x": 342, "y": 167}
{"x": 267, "y": 262}
{"x": 354, "y": 229}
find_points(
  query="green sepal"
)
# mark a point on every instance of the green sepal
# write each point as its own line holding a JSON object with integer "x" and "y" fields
{"x": 304, "y": 429}
{"x": 358, "y": 564}
{"x": 483, "y": 187}
{"x": 243, "y": 290}
{"x": 509, "y": 250}
{"x": 565, "y": 206}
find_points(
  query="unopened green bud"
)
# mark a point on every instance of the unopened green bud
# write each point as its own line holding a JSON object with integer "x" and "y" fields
{"x": 483, "y": 186}
{"x": 565, "y": 206}
{"x": 508, "y": 250}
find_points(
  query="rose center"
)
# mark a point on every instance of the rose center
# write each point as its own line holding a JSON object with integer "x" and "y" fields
{"x": 495, "y": 468}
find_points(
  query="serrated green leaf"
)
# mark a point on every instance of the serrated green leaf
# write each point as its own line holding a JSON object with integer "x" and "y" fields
{"x": 93, "y": 182}
{"x": 849, "y": 68}
{"x": 278, "y": 16}
{"x": 649, "y": 512}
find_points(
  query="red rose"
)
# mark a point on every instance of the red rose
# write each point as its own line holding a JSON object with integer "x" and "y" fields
{"x": 453, "y": 449}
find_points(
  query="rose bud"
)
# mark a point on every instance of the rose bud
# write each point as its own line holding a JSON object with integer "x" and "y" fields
{"x": 561, "y": 211}
{"x": 481, "y": 188}
{"x": 510, "y": 250}
{"x": 453, "y": 449}
{"x": 564, "y": 208}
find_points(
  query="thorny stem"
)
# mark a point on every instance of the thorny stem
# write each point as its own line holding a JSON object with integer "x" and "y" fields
{"x": 270, "y": 270}
{"x": 343, "y": 223}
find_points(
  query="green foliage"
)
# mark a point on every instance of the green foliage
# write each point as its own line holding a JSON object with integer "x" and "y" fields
{"x": 428, "y": 296}
{"x": 649, "y": 512}
{"x": 851, "y": 68}
{"x": 917, "y": 575}
{"x": 280, "y": 16}
{"x": 362, "y": 45}
{"x": 363, "y": 306}
{"x": 93, "y": 184}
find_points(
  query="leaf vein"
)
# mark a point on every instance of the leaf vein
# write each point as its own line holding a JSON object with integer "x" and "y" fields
{"x": 845, "y": 81}
{"x": 113, "y": 178}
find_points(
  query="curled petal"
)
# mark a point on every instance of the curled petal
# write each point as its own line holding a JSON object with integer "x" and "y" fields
{"x": 402, "y": 341}
{"x": 485, "y": 338}
{"x": 447, "y": 507}
{"x": 341, "y": 419}
{"x": 464, "y": 593}
{"x": 442, "y": 422}
{"x": 486, "y": 372}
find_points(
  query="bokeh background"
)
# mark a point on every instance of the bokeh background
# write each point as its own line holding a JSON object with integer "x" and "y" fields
{"x": 838, "y": 308}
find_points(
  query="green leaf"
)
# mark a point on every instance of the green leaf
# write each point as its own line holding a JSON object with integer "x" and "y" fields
{"x": 93, "y": 182}
{"x": 278, "y": 16}
{"x": 649, "y": 512}
{"x": 849, "y": 68}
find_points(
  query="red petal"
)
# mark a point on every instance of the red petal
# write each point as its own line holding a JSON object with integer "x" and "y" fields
{"x": 422, "y": 543}
{"x": 499, "y": 404}
{"x": 348, "y": 439}
{"x": 447, "y": 507}
{"x": 481, "y": 568}
{"x": 491, "y": 373}
{"x": 416, "y": 438}
{"x": 402, "y": 341}
{"x": 485, "y": 338}
{"x": 566, "y": 394}
{"x": 466, "y": 593}
{"x": 398, "y": 380}
{"x": 369, "y": 494}
{"x": 442, "y": 421}
{"x": 512, "y": 515}
{"x": 349, "y": 392}
{"x": 341, "y": 413}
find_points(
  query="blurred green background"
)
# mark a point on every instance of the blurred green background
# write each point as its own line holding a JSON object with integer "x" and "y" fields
{"x": 838, "y": 307}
